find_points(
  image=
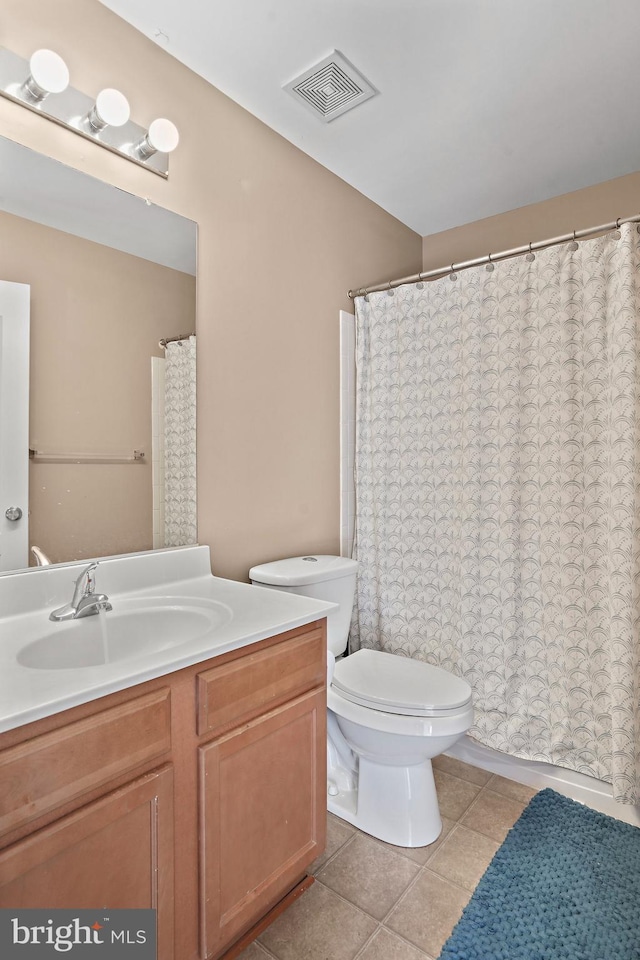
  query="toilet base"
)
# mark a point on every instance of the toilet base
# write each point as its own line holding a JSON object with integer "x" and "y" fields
{"x": 395, "y": 804}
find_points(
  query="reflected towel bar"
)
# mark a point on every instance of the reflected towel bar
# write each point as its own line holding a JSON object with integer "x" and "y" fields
{"x": 38, "y": 457}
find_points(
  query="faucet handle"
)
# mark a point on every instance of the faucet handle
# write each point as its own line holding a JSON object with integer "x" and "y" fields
{"x": 91, "y": 580}
{"x": 84, "y": 584}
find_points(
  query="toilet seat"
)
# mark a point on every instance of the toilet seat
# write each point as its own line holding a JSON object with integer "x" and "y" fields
{"x": 398, "y": 685}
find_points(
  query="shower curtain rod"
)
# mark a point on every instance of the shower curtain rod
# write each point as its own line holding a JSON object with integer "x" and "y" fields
{"x": 492, "y": 258}
{"x": 165, "y": 340}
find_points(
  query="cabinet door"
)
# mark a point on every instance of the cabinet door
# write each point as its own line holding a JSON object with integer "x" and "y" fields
{"x": 263, "y": 815}
{"x": 114, "y": 853}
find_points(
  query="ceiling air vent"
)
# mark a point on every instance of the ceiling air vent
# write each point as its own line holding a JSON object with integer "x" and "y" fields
{"x": 331, "y": 87}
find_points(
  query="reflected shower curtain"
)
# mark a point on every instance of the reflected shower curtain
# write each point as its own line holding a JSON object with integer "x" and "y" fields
{"x": 180, "y": 443}
{"x": 497, "y": 490}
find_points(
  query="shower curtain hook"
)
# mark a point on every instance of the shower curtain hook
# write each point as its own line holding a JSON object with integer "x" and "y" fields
{"x": 574, "y": 243}
{"x": 419, "y": 283}
{"x": 453, "y": 275}
{"x": 617, "y": 230}
{"x": 490, "y": 267}
{"x": 390, "y": 291}
{"x": 531, "y": 255}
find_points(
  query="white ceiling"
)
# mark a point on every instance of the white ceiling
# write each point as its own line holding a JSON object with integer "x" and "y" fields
{"x": 483, "y": 105}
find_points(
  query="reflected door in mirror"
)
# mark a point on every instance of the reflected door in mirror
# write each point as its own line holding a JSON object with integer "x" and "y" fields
{"x": 14, "y": 425}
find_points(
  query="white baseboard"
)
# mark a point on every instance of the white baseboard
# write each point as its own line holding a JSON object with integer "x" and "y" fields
{"x": 593, "y": 793}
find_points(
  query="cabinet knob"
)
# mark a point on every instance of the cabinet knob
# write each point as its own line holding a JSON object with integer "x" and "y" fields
{"x": 13, "y": 513}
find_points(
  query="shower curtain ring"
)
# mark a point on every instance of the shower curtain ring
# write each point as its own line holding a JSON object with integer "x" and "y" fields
{"x": 574, "y": 243}
{"x": 453, "y": 275}
{"x": 419, "y": 283}
{"x": 531, "y": 255}
{"x": 490, "y": 267}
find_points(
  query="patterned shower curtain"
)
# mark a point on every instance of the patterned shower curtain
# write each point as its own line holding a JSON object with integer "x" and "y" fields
{"x": 497, "y": 491}
{"x": 180, "y": 443}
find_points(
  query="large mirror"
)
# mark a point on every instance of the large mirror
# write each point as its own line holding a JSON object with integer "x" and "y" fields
{"x": 111, "y": 418}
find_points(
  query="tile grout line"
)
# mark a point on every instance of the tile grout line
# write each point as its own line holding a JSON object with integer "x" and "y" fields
{"x": 347, "y": 843}
{"x": 487, "y": 786}
{"x": 476, "y": 800}
{"x": 382, "y": 923}
{"x": 367, "y": 942}
{"x": 422, "y": 868}
{"x": 261, "y": 946}
{"x": 473, "y": 803}
{"x": 392, "y": 933}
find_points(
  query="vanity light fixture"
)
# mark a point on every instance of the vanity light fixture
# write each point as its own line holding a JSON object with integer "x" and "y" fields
{"x": 42, "y": 85}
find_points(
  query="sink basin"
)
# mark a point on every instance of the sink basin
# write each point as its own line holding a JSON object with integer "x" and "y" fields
{"x": 133, "y": 628}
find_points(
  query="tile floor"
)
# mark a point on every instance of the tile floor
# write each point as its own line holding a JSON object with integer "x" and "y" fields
{"x": 374, "y": 901}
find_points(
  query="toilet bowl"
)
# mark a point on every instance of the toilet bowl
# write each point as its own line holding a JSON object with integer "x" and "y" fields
{"x": 395, "y": 714}
{"x": 387, "y": 715}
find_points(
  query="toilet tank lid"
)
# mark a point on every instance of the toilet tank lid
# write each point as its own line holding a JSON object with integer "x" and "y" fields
{"x": 298, "y": 571}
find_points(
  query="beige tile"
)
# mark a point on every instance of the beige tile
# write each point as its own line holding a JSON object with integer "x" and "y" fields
{"x": 493, "y": 815}
{"x": 454, "y": 795}
{"x": 422, "y": 855}
{"x": 428, "y": 913}
{"x": 457, "y": 768}
{"x": 318, "y": 925}
{"x": 464, "y": 857}
{"x": 512, "y": 789}
{"x": 370, "y": 875}
{"x": 386, "y": 946}
{"x": 254, "y": 952}
{"x": 338, "y": 833}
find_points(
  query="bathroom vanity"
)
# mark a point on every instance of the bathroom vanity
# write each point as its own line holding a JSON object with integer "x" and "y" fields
{"x": 191, "y": 779}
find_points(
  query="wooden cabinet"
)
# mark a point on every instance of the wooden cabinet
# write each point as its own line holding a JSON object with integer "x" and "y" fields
{"x": 201, "y": 794}
{"x": 261, "y": 794}
{"x": 231, "y": 693}
{"x": 261, "y": 780}
{"x": 44, "y": 771}
{"x": 115, "y": 852}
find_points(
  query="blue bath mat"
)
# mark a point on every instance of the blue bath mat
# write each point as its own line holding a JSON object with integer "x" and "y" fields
{"x": 564, "y": 885}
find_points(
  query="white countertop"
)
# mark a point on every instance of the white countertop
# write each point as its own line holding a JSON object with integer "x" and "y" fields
{"x": 28, "y": 597}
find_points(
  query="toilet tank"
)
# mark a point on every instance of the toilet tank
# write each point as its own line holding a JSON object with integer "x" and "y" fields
{"x": 322, "y": 577}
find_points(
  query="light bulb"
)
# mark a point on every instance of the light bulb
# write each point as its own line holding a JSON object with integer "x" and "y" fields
{"x": 162, "y": 136}
{"x": 110, "y": 109}
{"x": 48, "y": 74}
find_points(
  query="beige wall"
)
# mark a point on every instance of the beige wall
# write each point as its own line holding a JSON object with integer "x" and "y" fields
{"x": 96, "y": 317}
{"x": 281, "y": 240}
{"x": 579, "y": 210}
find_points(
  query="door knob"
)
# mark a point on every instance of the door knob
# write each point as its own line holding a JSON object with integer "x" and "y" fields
{"x": 13, "y": 513}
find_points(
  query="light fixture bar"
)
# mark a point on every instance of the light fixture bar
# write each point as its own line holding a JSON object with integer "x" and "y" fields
{"x": 72, "y": 109}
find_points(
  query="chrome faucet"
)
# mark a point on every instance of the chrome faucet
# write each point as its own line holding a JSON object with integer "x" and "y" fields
{"x": 85, "y": 602}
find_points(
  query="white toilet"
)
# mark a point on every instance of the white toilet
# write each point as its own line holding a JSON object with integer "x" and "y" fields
{"x": 387, "y": 715}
